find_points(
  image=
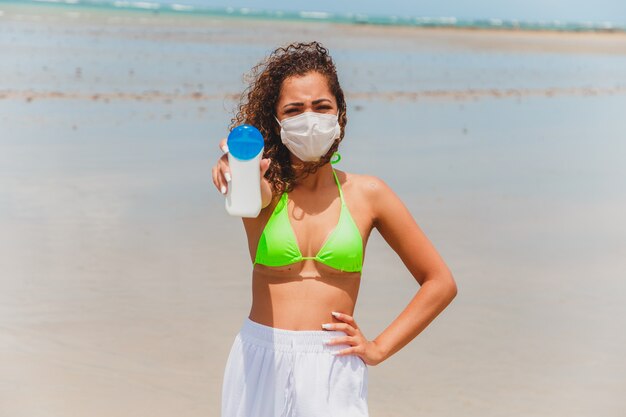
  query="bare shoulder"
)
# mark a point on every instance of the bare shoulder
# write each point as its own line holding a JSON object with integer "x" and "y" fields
{"x": 384, "y": 204}
{"x": 369, "y": 191}
{"x": 371, "y": 185}
{"x": 362, "y": 182}
{"x": 379, "y": 194}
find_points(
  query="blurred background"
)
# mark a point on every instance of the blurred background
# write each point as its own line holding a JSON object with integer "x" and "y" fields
{"x": 500, "y": 125}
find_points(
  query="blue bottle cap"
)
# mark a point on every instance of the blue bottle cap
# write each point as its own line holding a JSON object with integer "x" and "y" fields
{"x": 245, "y": 142}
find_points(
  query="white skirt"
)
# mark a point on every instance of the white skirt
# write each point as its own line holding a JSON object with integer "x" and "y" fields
{"x": 274, "y": 372}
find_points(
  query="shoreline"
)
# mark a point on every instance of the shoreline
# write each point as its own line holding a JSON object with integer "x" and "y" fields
{"x": 194, "y": 29}
{"x": 145, "y": 11}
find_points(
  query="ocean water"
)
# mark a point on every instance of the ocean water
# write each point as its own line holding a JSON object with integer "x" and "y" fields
{"x": 123, "y": 280}
{"x": 319, "y": 16}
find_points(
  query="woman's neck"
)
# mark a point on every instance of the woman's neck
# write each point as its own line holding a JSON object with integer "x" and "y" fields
{"x": 317, "y": 180}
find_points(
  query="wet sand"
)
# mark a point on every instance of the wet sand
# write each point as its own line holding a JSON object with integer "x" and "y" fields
{"x": 458, "y": 95}
{"x": 123, "y": 280}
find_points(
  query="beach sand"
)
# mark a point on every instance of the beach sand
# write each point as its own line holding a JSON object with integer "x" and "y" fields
{"x": 123, "y": 281}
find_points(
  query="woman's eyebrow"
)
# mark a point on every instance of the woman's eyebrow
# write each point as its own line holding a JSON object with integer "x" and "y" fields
{"x": 302, "y": 104}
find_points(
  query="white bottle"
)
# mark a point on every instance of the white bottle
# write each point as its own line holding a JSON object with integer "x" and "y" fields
{"x": 245, "y": 150}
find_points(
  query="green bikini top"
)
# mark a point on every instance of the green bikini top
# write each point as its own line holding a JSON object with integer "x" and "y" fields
{"x": 342, "y": 250}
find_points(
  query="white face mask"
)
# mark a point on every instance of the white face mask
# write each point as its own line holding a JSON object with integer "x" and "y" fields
{"x": 309, "y": 135}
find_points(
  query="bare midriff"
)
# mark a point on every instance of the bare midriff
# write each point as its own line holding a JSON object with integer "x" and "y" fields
{"x": 302, "y": 295}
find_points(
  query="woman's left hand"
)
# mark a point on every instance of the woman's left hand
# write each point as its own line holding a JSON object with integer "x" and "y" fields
{"x": 367, "y": 350}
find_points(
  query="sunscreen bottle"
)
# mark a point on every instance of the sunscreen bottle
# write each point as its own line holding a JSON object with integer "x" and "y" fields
{"x": 245, "y": 150}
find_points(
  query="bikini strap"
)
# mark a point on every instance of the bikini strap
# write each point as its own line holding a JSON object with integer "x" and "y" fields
{"x": 282, "y": 203}
{"x": 338, "y": 186}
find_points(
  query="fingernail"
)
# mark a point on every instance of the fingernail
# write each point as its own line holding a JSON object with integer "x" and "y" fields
{"x": 326, "y": 326}
{"x": 223, "y": 189}
{"x": 227, "y": 176}
{"x": 327, "y": 341}
{"x": 334, "y": 313}
{"x": 334, "y": 352}
{"x": 225, "y": 148}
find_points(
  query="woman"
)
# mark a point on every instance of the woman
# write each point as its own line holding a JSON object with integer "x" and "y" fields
{"x": 300, "y": 351}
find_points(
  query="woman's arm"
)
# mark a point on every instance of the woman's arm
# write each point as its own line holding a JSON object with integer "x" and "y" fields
{"x": 437, "y": 286}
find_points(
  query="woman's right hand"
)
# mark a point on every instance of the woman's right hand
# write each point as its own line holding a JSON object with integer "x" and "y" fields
{"x": 221, "y": 170}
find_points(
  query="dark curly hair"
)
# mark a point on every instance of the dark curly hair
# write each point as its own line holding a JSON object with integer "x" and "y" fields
{"x": 258, "y": 102}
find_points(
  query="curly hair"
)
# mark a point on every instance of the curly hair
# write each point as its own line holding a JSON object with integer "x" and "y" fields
{"x": 258, "y": 102}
